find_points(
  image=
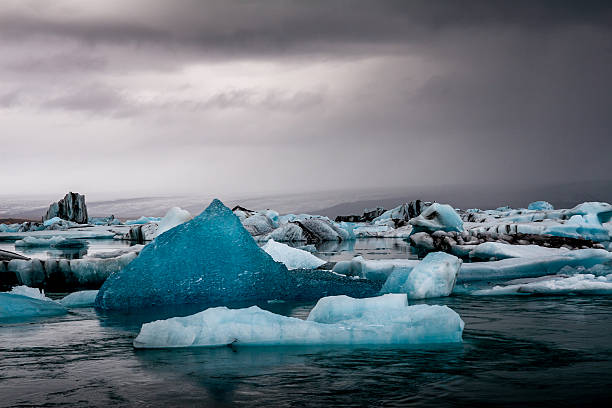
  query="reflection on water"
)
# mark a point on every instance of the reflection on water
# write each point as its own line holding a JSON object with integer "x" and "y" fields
{"x": 516, "y": 351}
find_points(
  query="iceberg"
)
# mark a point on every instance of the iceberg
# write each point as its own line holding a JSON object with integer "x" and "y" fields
{"x": 334, "y": 309}
{"x": 84, "y": 298}
{"x": 434, "y": 276}
{"x": 52, "y": 221}
{"x": 33, "y": 293}
{"x": 14, "y": 306}
{"x": 579, "y": 284}
{"x": 437, "y": 217}
{"x": 212, "y": 259}
{"x": 289, "y": 232}
{"x": 513, "y": 268}
{"x": 293, "y": 258}
{"x": 540, "y": 206}
{"x": 377, "y": 270}
{"x": 258, "y": 224}
{"x": 175, "y": 216}
{"x": 52, "y": 242}
{"x": 369, "y": 325}
{"x": 143, "y": 220}
{"x": 499, "y": 250}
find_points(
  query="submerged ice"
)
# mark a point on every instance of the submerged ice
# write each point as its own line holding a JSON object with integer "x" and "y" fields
{"x": 338, "y": 321}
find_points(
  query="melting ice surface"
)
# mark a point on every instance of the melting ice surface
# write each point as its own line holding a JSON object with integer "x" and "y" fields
{"x": 338, "y": 321}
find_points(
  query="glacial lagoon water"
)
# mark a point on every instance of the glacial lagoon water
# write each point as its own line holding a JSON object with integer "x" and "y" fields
{"x": 530, "y": 351}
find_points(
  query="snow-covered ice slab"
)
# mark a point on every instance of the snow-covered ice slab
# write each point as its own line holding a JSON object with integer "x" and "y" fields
{"x": 367, "y": 324}
{"x": 53, "y": 242}
{"x": 84, "y": 298}
{"x": 374, "y": 269}
{"x": 97, "y": 232}
{"x": 293, "y": 258}
{"x": 579, "y": 284}
{"x": 503, "y": 251}
{"x": 513, "y": 268}
{"x": 13, "y": 306}
{"x": 434, "y": 276}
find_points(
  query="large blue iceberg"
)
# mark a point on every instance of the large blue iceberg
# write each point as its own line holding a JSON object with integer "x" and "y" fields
{"x": 213, "y": 260}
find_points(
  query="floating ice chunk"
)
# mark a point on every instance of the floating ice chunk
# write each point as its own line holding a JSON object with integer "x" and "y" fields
{"x": 52, "y": 221}
{"x": 98, "y": 232}
{"x": 322, "y": 229}
{"x": 513, "y": 268}
{"x": 434, "y": 276}
{"x": 334, "y": 309}
{"x": 401, "y": 232}
{"x": 253, "y": 326}
{"x": 272, "y": 216}
{"x": 143, "y": 220}
{"x": 90, "y": 272}
{"x": 53, "y": 242}
{"x": 584, "y": 284}
{"x": 603, "y": 211}
{"x": 289, "y": 232}
{"x": 293, "y": 258}
{"x": 175, "y": 216}
{"x": 84, "y": 298}
{"x": 438, "y": 217}
{"x": 33, "y": 293}
{"x": 258, "y": 224}
{"x": 376, "y": 270}
{"x": 210, "y": 260}
{"x": 13, "y": 306}
{"x": 540, "y": 206}
{"x": 500, "y": 250}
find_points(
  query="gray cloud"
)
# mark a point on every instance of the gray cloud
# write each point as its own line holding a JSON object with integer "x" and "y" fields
{"x": 360, "y": 93}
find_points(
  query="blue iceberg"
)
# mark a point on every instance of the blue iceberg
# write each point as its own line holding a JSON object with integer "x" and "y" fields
{"x": 213, "y": 260}
{"x": 540, "y": 206}
{"x": 14, "y": 307}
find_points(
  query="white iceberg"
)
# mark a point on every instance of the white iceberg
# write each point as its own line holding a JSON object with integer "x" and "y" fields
{"x": 52, "y": 242}
{"x": 143, "y": 220}
{"x": 84, "y": 298}
{"x": 33, "y": 293}
{"x": 175, "y": 216}
{"x": 374, "y": 269}
{"x": 293, "y": 258}
{"x": 502, "y": 251}
{"x": 583, "y": 284}
{"x": 438, "y": 217}
{"x": 513, "y": 268}
{"x": 434, "y": 276}
{"x": 220, "y": 326}
{"x": 334, "y": 309}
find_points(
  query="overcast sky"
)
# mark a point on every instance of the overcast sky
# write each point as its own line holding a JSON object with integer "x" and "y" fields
{"x": 224, "y": 97}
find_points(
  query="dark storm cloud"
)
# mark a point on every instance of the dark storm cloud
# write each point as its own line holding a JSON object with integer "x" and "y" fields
{"x": 487, "y": 89}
